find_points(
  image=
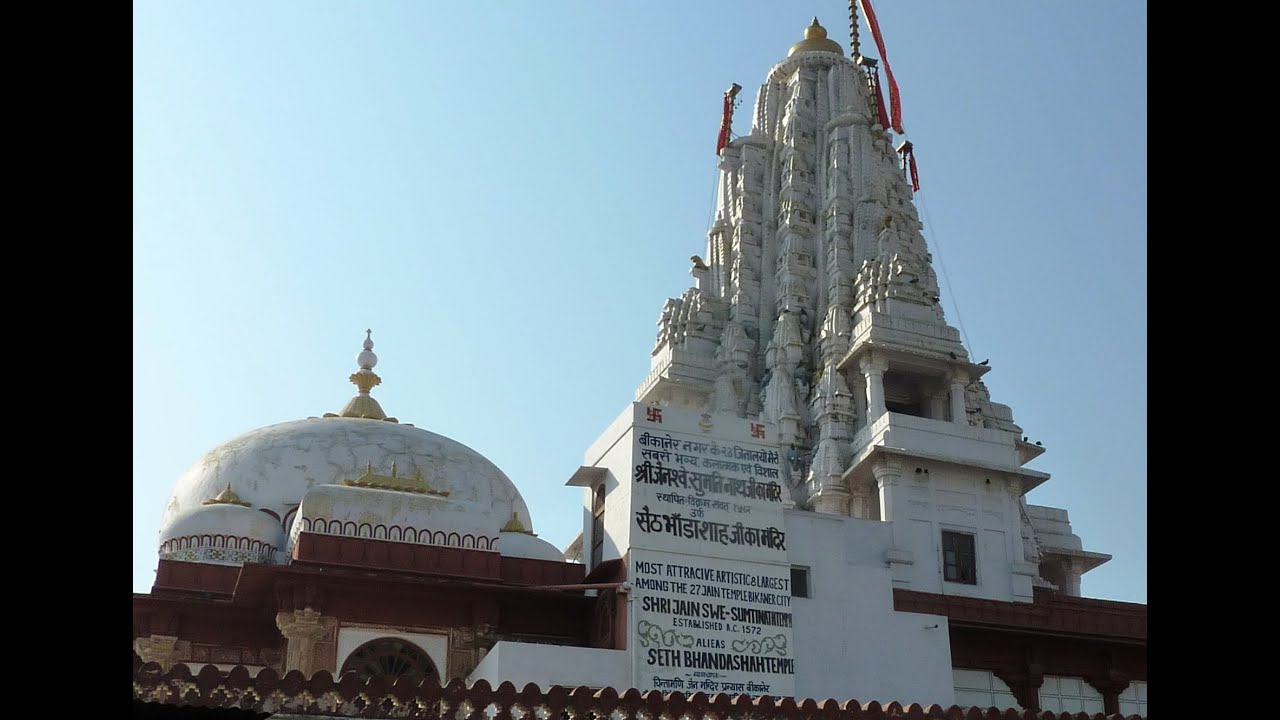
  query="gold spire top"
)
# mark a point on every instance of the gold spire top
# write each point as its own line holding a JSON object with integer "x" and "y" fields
{"x": 514, "y": 525}
{"x": 226, "y": 497}
{"x": 415, "y": 484}
{"x": 365, "y": 380}
{"x": 815, "y": 39}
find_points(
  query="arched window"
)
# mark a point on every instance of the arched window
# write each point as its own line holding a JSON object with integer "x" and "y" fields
{"x": 597, "y": 526}
{"x": 390, "y": 656}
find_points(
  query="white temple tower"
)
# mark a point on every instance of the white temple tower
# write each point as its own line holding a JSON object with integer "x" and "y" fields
{"x": 817, "y": 309}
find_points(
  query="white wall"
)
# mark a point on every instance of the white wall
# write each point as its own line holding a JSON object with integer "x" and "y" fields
{"x": 546, "y": 665}
{"x": 849, "y": 641}
{"x": 920, "y": 506}
{"x": 963, "y": 443}
{"x": 435, "y": 646}
{"x": 612, "y": 451}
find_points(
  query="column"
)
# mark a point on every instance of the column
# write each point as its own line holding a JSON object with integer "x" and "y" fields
{"x": 832, "y": 500}
{"x": 304, "y": 630}
{"x": 1071, "y": 578}
{"x": 860, "y": 404}
{"x": 900, "y": 556}
{"x": 958, "y": 415}
{"x": 874, "y": 372}
{"x": 887, "y": 476}
{"x": 860, "y": 504}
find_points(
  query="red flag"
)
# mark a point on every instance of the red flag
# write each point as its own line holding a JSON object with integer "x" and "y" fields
{"x": 915, "y": 176}
{"x": 725, "y": 123}
{"x": 884, "y": 118}
{"x": 895, "y": 103}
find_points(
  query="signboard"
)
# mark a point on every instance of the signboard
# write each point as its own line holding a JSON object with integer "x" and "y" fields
{"x": 711, "y": 625}
{"x": 711, "y": 597}
{"x": 705, "y": 485}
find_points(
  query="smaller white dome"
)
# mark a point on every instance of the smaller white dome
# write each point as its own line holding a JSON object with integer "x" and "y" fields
{"x": 223, "y": 534}
{"x": 524, "y": 545}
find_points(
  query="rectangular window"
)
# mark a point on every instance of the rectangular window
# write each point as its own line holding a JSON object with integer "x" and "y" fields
{"x": 800, "y": 582}
{"x": 959, "y": 561}
{"x": 1070, "y": 695}
{"x": 1133, "y": 699}
{"x": 597, "y": 542}
{"x": 983, "y": 689}
{"x": 597, "y": 527}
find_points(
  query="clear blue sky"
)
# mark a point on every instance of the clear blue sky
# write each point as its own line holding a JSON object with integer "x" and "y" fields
{"x": 506, "y": 192}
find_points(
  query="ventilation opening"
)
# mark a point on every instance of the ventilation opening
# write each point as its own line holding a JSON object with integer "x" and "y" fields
{"x": 390, "y": 656}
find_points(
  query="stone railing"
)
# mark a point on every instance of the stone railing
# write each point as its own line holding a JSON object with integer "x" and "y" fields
{"x": 386, "y": 697}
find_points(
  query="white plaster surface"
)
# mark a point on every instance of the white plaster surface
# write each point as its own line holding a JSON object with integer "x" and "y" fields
{"x": 514, "y": 544}
{"x": 546, "y": 665}
{"x": 611, "y": 451}
{"x": 849, "y": 641}
{"x": 274, "y": 466}
{"x": 1053, "y": 528}
{"x": 226, "y": 519}
{"x": 959, "y": 499}
{"x": 222, "y": 534}
{"x": 388, "y": 515}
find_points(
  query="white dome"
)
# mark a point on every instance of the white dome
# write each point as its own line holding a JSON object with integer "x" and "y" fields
{"x": 273, "y": 467}
{"x": 225, "y": 534}
{"x": 523, "y": 545}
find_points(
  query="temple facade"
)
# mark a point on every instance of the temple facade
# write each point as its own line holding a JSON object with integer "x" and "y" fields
{"x": 811, "y": 495}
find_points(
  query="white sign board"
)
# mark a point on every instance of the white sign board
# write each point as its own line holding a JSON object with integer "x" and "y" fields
{"x": 705, "y": 485}
{"x": 711, "y": 625}
{"x": 711, "y": 598}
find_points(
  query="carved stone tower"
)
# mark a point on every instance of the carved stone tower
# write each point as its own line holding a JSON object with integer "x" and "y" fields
{"x": 817, "y": 307}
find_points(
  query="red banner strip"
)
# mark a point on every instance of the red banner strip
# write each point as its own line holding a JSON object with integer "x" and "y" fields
{"x": 915, "y": 176}
{"x": 884, "y": 117}
{"x": 895, "y": 103}
{"x": 725, "y": 124}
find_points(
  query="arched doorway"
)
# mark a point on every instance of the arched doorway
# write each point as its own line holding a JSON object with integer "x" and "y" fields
{"x": 390, "y": 656}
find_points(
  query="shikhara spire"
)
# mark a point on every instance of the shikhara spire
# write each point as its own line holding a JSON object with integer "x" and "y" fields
{"x": 817, "y": 307}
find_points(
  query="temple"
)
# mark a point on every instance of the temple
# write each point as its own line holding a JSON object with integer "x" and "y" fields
{"x": 811, "y": 495}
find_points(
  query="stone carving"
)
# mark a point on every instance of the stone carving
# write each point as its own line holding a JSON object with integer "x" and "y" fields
{"x": 162, "y": 649}
{"x": 815, "y": 234}
{"x": 985, "y": 413}
{"x": 309, "y": 638}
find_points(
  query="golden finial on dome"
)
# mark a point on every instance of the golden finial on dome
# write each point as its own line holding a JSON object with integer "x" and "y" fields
{"x": 415, "y": 484}
{"x": 226, "y": 497}
{"x": 815, "y": 39}
{"x": 365, "y": 380}
{"x": 514, "y": 525}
